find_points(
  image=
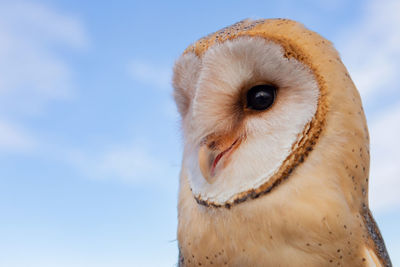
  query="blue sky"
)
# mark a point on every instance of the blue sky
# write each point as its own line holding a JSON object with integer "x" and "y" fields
{"x": 90, "y": 147}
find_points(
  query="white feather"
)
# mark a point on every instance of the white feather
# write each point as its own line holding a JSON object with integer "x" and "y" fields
{"x": 225, "y": 69}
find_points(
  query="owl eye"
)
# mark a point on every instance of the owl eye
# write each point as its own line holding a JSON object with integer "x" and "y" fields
{"x": 261, "y": 97}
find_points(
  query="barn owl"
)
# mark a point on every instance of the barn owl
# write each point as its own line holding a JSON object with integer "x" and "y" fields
{"x": 276, "y": 152}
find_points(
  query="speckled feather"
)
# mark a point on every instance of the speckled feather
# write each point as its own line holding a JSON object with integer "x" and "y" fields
{"x": 315, "y": 212}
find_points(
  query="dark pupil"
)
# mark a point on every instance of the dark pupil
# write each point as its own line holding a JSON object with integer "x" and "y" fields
{"x": 261, "y": 97}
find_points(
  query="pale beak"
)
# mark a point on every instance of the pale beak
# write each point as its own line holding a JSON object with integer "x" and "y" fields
{"x": 206, "y": 161}
{"x": 210, "y": 157}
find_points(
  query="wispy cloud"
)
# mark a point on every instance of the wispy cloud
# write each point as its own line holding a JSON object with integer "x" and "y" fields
{"x": 14, "y": 139}
{"x": 385, "y": 159}
{"x": 371, "y": 49}
{"x": 32, "y": 72}
{"x": 133, "y": 164}
{"x": 151, "y": 74}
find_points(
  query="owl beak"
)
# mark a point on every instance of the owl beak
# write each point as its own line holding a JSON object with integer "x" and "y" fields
{"x": 211, "y": 154}
{"x": 206, "y": 160}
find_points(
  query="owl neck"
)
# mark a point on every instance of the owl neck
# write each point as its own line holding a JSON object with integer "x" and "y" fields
{"x": 298, "y": 220}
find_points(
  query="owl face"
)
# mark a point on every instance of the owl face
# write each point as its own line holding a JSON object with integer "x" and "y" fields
{"x": 246, "y": 108}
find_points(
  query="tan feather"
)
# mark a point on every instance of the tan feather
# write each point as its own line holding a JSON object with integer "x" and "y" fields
{"x": 313, "y": 209}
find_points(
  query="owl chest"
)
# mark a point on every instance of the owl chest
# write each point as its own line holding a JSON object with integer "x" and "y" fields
{"x": 284, "y": 239}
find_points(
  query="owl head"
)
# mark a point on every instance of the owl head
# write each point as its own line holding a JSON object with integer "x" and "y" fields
{"x": 255, "y": 99}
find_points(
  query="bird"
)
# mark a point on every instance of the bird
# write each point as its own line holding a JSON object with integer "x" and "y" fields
{"x": 275, "y": 163}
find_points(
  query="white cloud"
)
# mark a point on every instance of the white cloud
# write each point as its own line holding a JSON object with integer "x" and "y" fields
{"x": 371, "y": 48}
{"x": 32, "y": 72}
{"x": 13, "y": 138}
{"x": 127, "y": 163}
{"x": 385, "y": 160}
{"x": 151, "y": 74}
{"x": 30, "y": 69}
